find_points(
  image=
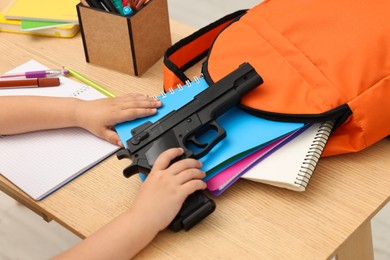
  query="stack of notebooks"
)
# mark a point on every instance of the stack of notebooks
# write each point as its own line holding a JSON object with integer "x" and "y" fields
{"x": 277, "y": 153}
{"x": 41, "y": 17}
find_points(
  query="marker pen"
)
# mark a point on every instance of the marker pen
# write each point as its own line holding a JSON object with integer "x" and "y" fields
{"x": 30, "y": 83}
{"x": 37, "y": 74}
{"x": 123, "y": 10}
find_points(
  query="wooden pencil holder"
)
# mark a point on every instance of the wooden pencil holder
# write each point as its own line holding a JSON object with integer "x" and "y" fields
{"x": 126, "y": 44}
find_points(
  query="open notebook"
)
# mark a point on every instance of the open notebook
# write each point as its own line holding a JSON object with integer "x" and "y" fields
{"x": 43, "y": 161}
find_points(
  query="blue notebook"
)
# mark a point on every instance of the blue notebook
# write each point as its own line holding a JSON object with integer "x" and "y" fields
{"x": 245, "y": 132}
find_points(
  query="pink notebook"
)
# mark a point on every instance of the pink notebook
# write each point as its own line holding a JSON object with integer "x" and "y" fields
{"x": 224, "y": 179}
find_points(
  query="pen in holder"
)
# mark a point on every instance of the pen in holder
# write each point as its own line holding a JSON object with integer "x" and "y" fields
{"x": 126, "y": 44}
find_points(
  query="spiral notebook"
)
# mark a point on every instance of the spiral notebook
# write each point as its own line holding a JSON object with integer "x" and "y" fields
{"x": 41, "y": 162}
{"x": 245, "y": 132}
{"x": 293, "y": 164}
{"x": 225, "y": 178}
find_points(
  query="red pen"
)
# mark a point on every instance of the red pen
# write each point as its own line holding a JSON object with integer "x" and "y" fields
{"x": 30, "y": 83}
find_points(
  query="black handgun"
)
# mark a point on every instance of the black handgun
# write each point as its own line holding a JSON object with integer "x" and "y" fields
{"x": 184, "y": 128}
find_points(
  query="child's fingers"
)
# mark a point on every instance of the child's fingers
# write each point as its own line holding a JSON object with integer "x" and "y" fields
{"x": 164, "y": 159}
{"x": 111, "y": 136}
{"x": 192, "y": 186}
{"x": 189, "y": 174}
{"x": 136, "y": 96}
{"x": 132, "y": 114}
{"x": 132, "y": 99}
{"x": 185, "y": 164}
{"x": 141, "y": 104}
{"x": 138, "y": 102}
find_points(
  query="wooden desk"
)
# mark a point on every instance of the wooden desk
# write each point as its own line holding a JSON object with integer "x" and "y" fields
{"x": 252, "y": 220}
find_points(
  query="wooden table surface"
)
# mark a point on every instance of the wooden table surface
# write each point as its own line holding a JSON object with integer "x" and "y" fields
{"x": 251, "y": 221}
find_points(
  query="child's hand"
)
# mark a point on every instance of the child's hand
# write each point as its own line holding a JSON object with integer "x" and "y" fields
{"x": 158, "y": 201}
{"x": 100, "y": 116}
{"x": 162, "y": 194}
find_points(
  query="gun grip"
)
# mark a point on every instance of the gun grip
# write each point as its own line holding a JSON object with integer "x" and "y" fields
{"x": 195, "y": 208}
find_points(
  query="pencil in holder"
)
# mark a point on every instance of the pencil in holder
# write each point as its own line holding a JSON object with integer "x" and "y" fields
{"x": 127, "y": 44}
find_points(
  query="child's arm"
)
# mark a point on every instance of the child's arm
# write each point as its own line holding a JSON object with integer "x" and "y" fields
{"x": 20, "y": 114}
{"x": 158, "y": 201}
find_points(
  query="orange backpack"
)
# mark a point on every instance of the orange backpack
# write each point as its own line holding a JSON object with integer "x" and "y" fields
{"x": 319, "y": 59}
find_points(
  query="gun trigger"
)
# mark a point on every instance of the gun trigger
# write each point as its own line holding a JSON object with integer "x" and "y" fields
{"x": 192, "y": 139}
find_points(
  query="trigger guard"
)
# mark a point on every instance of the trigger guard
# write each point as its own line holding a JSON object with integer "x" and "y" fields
{"x": 194, "y": 141}
{"x": 221, "y": 134}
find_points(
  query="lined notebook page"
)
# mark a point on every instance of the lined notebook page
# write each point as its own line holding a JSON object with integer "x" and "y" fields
{"x": 293, "y": 164}
{"x": 41, "y": 162}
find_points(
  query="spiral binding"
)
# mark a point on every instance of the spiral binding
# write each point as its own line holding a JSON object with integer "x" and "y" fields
{"x": 313, "y": 155}
{"x": 180, "y": 87}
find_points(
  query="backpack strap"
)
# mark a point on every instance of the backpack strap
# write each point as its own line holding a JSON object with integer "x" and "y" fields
{"x": 191, "y": 49}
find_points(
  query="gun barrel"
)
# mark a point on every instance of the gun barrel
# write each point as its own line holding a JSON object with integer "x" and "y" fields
{"x": 248, "y": 82}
